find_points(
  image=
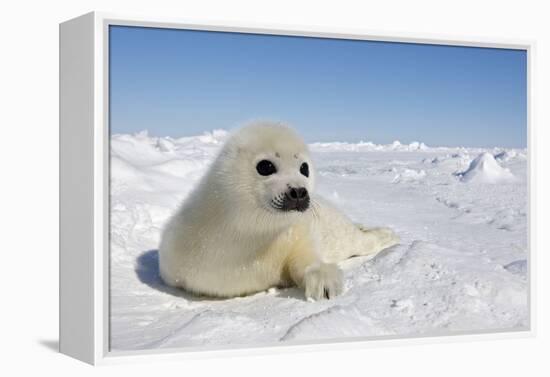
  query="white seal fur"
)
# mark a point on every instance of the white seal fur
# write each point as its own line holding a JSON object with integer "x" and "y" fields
{"x": 241, "y": 232}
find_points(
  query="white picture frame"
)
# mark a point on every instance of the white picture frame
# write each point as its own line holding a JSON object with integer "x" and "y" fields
{"x": 84, "y": 184}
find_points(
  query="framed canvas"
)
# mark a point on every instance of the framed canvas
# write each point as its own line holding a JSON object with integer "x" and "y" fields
{"x": 248, "y": 188}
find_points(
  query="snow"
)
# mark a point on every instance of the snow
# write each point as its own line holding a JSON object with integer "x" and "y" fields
{"x": 368, "y": 146}
{"x": 408, "y": 175}
{"x": 484, "y": 168}
{"x": 461, "y": 265}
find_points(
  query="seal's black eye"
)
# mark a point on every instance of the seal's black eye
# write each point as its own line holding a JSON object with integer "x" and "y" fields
{"x": 304, "y": 169}
{"x": 266, "y": 167}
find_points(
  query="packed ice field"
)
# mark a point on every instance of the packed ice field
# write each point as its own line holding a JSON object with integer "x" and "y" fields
{"x": 461, "y": 266}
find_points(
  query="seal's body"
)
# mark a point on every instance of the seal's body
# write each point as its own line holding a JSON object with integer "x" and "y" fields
{"x": 253, "y": 223}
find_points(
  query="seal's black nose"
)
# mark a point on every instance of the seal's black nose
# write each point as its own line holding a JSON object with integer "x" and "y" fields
{"x": 298, "y": 193}
{"x": 296, "y": 198}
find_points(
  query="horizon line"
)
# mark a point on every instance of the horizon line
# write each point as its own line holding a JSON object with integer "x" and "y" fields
{"x": 148, "y": 133}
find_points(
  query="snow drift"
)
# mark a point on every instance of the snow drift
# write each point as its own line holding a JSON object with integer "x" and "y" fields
{"x": 484, "y": 168}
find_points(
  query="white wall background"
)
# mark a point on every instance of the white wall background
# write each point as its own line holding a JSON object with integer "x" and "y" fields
{"x": 29, "y": 181}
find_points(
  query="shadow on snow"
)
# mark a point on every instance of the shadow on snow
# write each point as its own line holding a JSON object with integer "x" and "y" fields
{"x": 147, "y": 270}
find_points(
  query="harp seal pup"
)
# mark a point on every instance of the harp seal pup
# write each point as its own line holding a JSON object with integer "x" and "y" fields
{"x": 254, "y": 222}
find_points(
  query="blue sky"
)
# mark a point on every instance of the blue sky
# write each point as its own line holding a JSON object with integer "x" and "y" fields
{"x": 182, "y": 82}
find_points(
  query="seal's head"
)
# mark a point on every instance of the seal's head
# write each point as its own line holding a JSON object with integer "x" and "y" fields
{"x": 270, "y": 169}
